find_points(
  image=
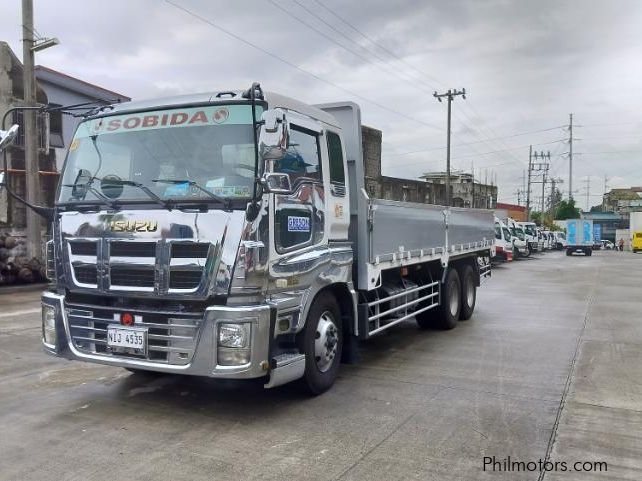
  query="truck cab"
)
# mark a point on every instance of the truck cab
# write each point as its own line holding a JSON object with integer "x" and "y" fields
{"x": 532, "y": 238}
{"x": 503, "y": 241}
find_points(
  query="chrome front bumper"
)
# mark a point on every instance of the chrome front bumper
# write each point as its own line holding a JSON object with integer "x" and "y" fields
{"x": 203, "y": 361}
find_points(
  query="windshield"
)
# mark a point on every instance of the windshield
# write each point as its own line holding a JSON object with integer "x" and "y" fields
{"x": 530, "y": 230}
{"x": 179, "y": 154}
{"x": 498, "y": 232}
{"x": 519, "y": 233}
{"x": 507, "y": 235}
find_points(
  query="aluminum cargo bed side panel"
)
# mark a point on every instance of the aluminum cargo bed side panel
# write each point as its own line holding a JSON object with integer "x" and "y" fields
{"x": 470, "y": 226}
{"x": 404, "y": 226}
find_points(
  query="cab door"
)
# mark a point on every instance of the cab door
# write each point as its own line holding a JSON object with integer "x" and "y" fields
{"x": 299, "y": 219}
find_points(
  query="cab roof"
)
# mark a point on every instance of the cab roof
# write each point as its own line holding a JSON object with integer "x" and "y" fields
{"x": 273, "y": 100}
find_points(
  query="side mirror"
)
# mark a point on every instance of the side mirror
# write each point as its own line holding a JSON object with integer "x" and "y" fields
{"x": 276, "y": 183}
{"x": 274, "y": 136}
{"x": 7, "y": 136}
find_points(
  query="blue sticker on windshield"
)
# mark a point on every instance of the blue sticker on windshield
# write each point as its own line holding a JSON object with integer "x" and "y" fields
{"x": 178, "y": 190}
{"x": 298, "y": 224}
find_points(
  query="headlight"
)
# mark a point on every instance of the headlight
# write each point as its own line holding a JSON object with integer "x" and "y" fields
{"x": 234, "y": 344}
{"x": 234, "y": 335}
{"x": 49, "y": 325}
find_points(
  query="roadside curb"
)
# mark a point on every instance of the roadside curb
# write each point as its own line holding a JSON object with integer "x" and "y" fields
{"x": 40, "y": 286}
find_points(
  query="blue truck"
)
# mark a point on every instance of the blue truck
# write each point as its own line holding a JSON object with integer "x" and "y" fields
{"x": 579, "y": 236}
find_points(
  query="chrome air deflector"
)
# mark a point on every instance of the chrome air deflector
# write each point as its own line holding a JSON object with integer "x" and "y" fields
{"x": 185, "y": 255}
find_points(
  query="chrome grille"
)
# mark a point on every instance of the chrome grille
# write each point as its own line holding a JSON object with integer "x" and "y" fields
{"x": 85, "y": 274}
{"x": 83, "y": 248}
{"x": 171, "y": 336}
{"x": 132, "y": 249}
{"x": 180, "y": 279}
{"x": 152, "y": 267}
{"x": 191, "y": 250}
{"x": 132, "y": 276}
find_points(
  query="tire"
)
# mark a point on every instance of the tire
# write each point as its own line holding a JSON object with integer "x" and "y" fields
{"x": 322, "y": 344}
{"x": 589, "y": 252}
{"x": 446, "y": 315}
{"x": 468, "y": 292}
{"x": 568, "y": 252}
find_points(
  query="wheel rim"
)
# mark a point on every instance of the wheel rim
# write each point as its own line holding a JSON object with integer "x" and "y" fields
{"x": 470, "y": 291}
{"x": 326, "y": 342}
{"x": 454, "y": 299}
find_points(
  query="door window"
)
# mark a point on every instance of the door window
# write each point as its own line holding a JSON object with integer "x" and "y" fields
{"x": 337, "y": 172}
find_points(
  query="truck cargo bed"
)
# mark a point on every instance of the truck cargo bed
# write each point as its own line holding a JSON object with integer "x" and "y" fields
{"x": 404, "y": 233}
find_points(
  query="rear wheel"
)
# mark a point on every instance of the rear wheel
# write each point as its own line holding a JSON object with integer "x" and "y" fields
{"x": 568, "y": 252}
{"x": 322, "y": 344}
{"x": 468, "y": 292}
{"x": 446, "y": 315}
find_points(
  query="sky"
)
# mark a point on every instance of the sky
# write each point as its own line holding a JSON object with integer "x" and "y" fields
{"x": 525, "y": 65}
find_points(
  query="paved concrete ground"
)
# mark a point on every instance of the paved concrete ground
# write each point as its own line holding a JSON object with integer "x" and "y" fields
{"x": 550, "y": 365}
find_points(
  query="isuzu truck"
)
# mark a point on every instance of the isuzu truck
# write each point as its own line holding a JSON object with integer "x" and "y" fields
{"x": 230, "y": 235}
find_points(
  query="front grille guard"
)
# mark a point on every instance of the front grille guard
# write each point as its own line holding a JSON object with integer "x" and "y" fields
{"x": 133, "y": 266}
{"x": 171, "y": 336}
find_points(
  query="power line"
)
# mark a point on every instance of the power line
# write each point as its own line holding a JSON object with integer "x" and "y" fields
{"x": 295, "y": 66}
{"x": 464, "y": 144}
{"x": 421, "y": 74}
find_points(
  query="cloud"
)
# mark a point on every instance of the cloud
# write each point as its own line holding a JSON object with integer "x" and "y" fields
{"x": 526, "y": 66}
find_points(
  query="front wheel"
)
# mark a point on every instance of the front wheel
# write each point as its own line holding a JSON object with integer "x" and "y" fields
{"x": 322, "y": 344}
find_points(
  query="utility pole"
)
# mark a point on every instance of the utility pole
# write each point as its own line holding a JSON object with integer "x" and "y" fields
{"x": 32, "y": 187}
{"x": 450, "y": 95}
{"x": 587, "y": 181}
{"x": 536, "y": 167}
{"x": 570, "y": 158}
{"x": 528, "y": 186}
{"x": 606, "y": 188}
{"x": 472, "y": 169}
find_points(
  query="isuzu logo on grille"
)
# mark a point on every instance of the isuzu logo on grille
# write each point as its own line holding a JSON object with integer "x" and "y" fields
{"x": 133, "y": 225}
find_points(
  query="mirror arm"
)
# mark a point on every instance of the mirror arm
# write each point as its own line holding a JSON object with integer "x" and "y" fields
{"x": 253, "y": 208}
{"x": 47, "y": 213}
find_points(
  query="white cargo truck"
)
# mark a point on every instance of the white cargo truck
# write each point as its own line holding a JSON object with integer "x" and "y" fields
{"x": 579, "y": 236}
{"x": 230, "y": 235}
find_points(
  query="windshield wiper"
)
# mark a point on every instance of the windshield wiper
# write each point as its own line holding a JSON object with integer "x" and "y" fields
{"x": 226, "y": 201}
{"x": 142, "y": 187}
{"x": 102, "y": 198}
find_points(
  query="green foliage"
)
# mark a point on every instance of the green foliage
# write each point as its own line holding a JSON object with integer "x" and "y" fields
{"x": 566, "y": 210}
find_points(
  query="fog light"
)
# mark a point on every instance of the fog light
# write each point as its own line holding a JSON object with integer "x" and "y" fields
{"x": 234, "y": 335}
{"x": 232, "y": 357}
{"x": 49, "y": 325}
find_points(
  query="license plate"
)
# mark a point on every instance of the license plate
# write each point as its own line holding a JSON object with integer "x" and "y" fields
{"x": 127, "y": 339}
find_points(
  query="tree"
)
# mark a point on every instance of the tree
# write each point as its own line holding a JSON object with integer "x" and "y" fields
{"x": 566, "y": 210}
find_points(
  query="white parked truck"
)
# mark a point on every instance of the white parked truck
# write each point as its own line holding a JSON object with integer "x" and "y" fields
{"x": 230, "y": 235}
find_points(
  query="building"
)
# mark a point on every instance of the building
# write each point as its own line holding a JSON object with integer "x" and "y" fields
{"x": 609, "y": 222}
{"x": 430, "y": 190}
{"x": 383, "y": 187}
{"x": 55, "y": 130}
{"x": 64, "y": 90}
{"x": 516, "y": 212}
{"x": 623, "y": 202}
{"x": 466, "y": 191}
